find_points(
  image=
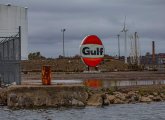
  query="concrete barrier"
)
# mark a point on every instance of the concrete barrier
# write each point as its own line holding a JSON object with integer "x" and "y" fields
{"x": 25, "y": 96}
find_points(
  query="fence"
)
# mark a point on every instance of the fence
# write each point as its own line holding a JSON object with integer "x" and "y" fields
{"x": 10, "y": 56}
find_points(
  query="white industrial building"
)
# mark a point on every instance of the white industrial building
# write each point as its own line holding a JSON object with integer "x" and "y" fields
{"x": 11, "y": 17}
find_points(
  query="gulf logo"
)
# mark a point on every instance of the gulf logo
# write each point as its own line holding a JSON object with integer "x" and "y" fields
{"x": 92, "y": 50}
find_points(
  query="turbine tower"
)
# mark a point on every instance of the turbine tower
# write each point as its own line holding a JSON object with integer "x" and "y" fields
{"x": 118, "y": 46}
{"x": 132, "y": 54}
{"x": 135, "y": 49}
{"x": 125, "y": 40}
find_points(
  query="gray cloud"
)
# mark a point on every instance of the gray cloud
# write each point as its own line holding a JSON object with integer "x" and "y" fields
{"x": 83, "y": 17}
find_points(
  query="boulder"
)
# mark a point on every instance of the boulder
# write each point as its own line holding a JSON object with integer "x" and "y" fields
{"x": 77, "y": 103}
{"x": 111, "y": 98}
{"x": 162, "y": 96}
{"x": 135, "y": 98}
{"x": 115, "y": 93}
{"x": 3, "y": 96}
{"x": 121, "y": 96}
{"x": 151, "y": 96}
{"x": 155, "y": 93}
{"x": 130, "y": 94}
{"x": 157, "y": 98}
{"x": 95, "y": 100}
{"x": 145, "y": 99}
{"x": 118, "y": 101}
{"x": 106, "y": 100}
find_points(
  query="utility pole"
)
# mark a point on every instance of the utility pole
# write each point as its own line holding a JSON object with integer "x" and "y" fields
{"x": 63, "y": 30}
{"x": 19, "y": 42}
{"x": 118, "y": 46}
{"x": 125, "y": 40}
{"x": 136, "y": 51}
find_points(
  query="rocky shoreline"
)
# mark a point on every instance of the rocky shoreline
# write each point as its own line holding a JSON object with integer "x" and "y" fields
{"x": 130, "y": 97}
{"x": 78, "y": 96}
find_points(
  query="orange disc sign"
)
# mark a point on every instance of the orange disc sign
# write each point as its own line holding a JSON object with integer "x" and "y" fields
{"x": 92, "y": 50}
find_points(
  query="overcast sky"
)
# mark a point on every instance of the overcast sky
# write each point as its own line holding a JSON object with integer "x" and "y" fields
{"x": 104, "y": 18}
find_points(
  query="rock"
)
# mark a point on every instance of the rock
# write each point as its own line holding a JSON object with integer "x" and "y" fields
{"x": 162, "y": 96}
{"x": 111, "y": 98}
{"x": 115, "y": 93}
{"x": 77, "y": 103}
{"x": 155, "y": 93}
{"x": 130, "y": 94}
{"x": 145, "y": 99}
{"x": 135, "y": 98}
{"x": 3, "y": 96}
{"x": 151, "y": 96}
{"x": 121, "y": 96}
{"x": 90, "y": 94}
{"x": 12, "y": 100}
{"x": 80, "y": 96}
{"x": 95, "y": 100}
{"x": 106, "y": 101}
{"x": 118, "y": 101}
{"x": 157, "y": 98}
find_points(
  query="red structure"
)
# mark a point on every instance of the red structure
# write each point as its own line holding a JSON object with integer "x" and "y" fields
{"x": 46, "y": 75}
{"x": 92, "y": 50}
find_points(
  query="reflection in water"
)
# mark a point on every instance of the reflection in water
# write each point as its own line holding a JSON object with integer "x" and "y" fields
{"x": 94, "y": 83}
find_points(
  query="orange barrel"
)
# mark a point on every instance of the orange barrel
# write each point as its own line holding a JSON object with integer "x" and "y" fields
{"x": 46, "y": 75}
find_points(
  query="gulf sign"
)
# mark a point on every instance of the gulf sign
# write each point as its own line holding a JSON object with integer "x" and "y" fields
{"x": 92, "y": 50}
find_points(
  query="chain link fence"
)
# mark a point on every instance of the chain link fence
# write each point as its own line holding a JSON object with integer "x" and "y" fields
{"x": 10, "y": 57}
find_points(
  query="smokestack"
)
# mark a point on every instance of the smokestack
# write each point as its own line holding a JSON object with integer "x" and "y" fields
{"x": 153, "y": 52}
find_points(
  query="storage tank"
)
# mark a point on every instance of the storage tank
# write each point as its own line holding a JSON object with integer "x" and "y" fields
{"x": 11, "y": 17}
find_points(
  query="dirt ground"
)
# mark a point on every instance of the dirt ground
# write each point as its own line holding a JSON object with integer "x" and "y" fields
{"x": 70, "y": 65}
{"x": 133, "y": 75}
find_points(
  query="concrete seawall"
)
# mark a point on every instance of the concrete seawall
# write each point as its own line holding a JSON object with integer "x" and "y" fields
{"x": 29, "y": 96}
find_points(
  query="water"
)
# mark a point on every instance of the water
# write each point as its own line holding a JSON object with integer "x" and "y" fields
{"x": 100, "y": 83}
{"x": 140, "y": 111}
{"x": 94, "y": 83}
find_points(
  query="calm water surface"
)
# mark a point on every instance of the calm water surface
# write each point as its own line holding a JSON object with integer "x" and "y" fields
{"x": 140, "y": 111}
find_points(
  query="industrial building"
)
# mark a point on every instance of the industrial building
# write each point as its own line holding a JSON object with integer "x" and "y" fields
{"x": 11, "y": 17}
{"x": 159, "y": 62}
{"x": 13, "y": 42}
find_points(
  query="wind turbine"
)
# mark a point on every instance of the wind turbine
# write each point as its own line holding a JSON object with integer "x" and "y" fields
{"x": 125, "y": 40}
